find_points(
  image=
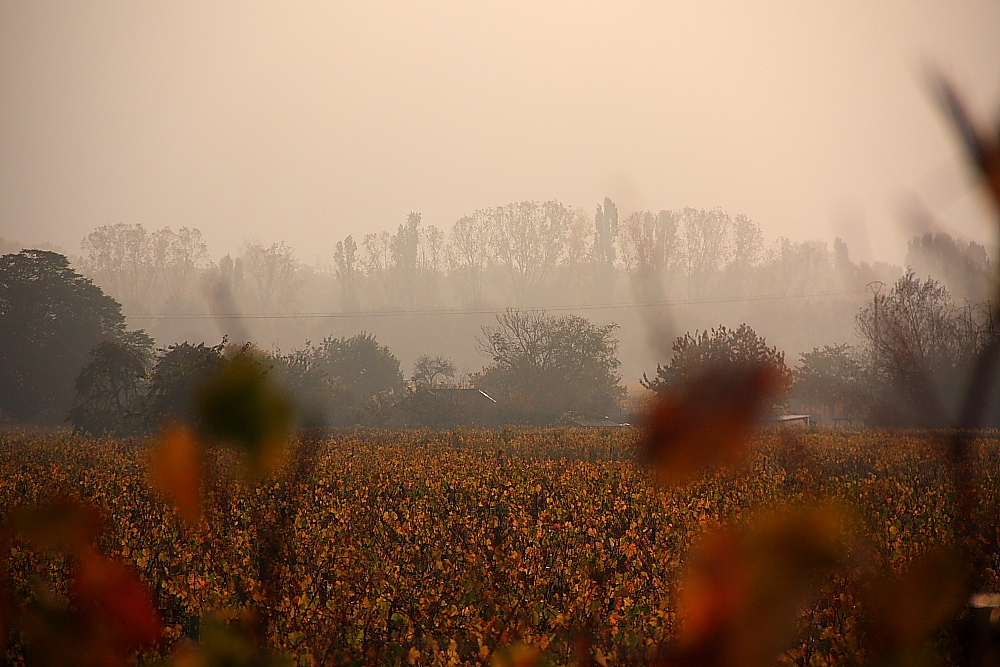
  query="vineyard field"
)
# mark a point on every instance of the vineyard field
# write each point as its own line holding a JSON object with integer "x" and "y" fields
{"x": 438, "y": 548}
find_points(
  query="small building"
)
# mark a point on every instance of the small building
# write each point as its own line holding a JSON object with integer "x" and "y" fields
{"x": 460, "y": 405}
{"x": 473, "y": 399}
{"x": 607, "y": 422}
{"x": 798, "y": 421}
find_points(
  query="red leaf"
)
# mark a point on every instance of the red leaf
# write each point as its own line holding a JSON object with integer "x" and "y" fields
{"x": 118, "y": 596}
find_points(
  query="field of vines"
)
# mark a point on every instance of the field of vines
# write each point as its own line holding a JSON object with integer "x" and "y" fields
{"x": 439, "y": 548}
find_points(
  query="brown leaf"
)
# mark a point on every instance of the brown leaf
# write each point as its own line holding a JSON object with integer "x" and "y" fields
{"x": 983, "y": 147}
{"x": 706, "y": 422}
{"x": 62, "y": 525}
{"x": 176, "y": 470}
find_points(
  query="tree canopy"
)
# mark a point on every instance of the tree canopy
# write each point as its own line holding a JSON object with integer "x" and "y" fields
{"x": 832, "y": 381}
{"x": 718, "y": 347}
{"x": 545, "y": 367}
{"x": 432, "y": 371}
{"x": 51, "y": 317}
{"x": 359, "y": 364}
{"x": 110, "y": 389}
{"x": 920, "y": 345}
{"x": 177, "y": 375}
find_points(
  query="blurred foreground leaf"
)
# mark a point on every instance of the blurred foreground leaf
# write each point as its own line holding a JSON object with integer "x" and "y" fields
{"x": 903, "y": 610}
{"x": 982, "y": 146}
{"x": 517, "y": 655}
{"x": 116, "y": 596}
{"x": 176, "y": 470}
{"x": 706, "y": 421}
{"x": 240, "y": 405}
{"x": 227, "y": 639}
{"x": 109, "y": 613}
{"x": 62, "y": 525}
{"x": 741, "y": 596}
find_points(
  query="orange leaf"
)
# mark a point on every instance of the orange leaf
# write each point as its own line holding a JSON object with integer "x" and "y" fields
{"x": 176, "y": 470}
{"x": 905, "y": 609}
{"x": 516, "y": 655}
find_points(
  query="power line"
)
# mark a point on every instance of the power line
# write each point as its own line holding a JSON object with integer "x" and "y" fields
{"x": 479, "y": 311}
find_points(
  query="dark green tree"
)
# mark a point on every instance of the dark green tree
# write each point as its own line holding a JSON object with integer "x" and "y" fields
{"x": 110, "y": 389}
{"x": 175, "y": 379}
{"x": 693, "y": 354}
{"x": 832, "y": 381}
{"x": 546, "y": 367}
{"x": 51, "y": 317}
{"x": 359, "y": 364}
{"x": 317, "y": 397}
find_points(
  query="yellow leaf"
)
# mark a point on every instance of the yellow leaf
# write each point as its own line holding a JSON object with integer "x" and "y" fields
{"x": 516, "y": 655}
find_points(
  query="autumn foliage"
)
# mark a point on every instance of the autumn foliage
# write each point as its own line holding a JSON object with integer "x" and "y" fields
{"x": 436, "y": 548}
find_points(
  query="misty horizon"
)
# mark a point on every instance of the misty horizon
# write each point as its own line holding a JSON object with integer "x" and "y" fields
{"x": 327, "y": 121}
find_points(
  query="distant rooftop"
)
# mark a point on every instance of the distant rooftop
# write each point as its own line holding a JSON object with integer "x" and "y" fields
{"x": 465, "y": 394}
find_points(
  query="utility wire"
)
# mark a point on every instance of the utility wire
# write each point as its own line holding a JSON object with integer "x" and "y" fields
{"x": 478, "y": 311}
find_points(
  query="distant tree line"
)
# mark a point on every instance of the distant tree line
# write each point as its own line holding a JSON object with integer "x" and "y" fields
{"x": 66, "y": 349}
{"x": 67, "y": 354}
{"x": 517, "y": 255}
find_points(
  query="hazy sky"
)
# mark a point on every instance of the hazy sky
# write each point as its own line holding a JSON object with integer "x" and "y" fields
{"x": 305, "y": 122}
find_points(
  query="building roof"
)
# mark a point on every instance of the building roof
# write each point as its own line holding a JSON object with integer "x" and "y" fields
{"x": 788, "y": 419}
{"x": 466, "y": 395}
{"x": 599, "y": 423}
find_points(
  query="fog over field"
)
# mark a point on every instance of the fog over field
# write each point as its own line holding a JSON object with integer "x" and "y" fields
{"x": 301, "y": 125}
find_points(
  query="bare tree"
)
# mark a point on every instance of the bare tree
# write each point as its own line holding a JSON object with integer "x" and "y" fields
{"x": 469, "y": 250}
{"x": 920, "y": 345}
{"x": 432, "y": 371}
{"x": 544, "y": 367}
{"x": 405, "y": 246}
{"x": 379, "y": 262}
{"x": 121, "y": 259}
{"x": 964, "y": 267}
{"x": 184, "y": 254}
{"x": 431, "y": 261}
{"x": 528, "y": 240}
{"x": 346, "y": 268}
{"x": 648, "y": 242}
{"x": 605, "y": 233}
{"x": 231, "y": 273}
{"x": 748, "y": 242}
{"x": 799, "y": 267}
{"x": 141, "y": 268}
{"x": 707, "y": 246}
{"x": 273, "y": 270}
